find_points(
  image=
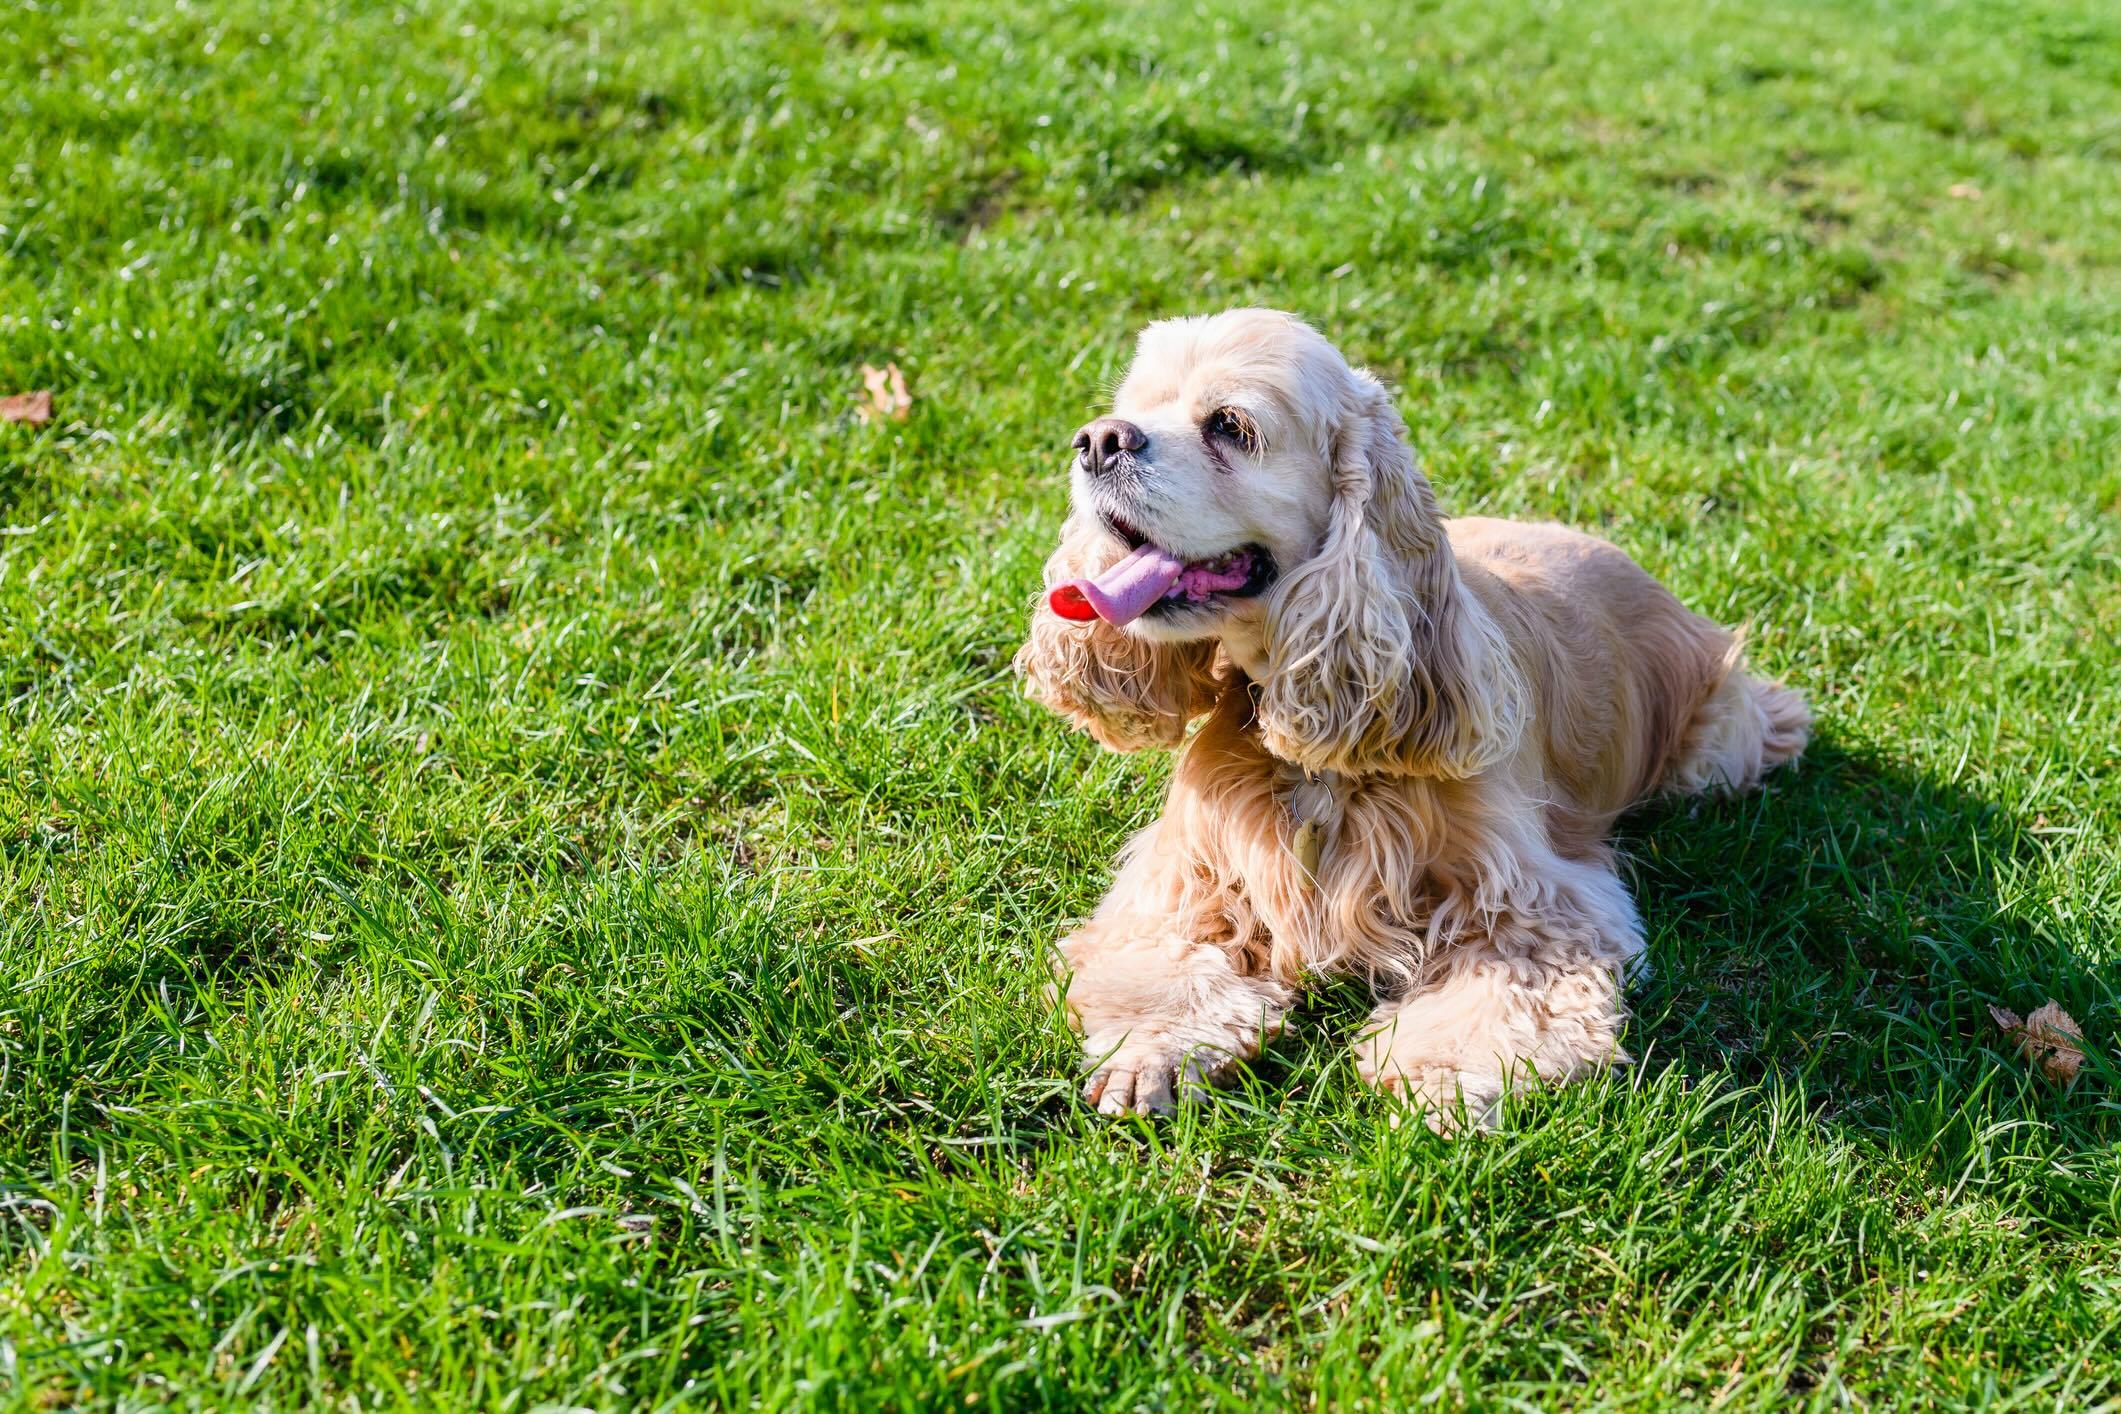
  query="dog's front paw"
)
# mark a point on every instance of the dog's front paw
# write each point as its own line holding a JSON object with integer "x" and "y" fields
{"x": 1152, "y": 1076}
{"x": 1446, "y": 1098}
{"x": 1430, "y": 1078}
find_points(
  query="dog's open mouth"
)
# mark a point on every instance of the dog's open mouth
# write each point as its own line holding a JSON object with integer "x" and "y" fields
{"x": 1152, "y": 580}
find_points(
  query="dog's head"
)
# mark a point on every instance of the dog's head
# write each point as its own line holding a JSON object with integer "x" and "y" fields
{"x": 1250, "y": 489}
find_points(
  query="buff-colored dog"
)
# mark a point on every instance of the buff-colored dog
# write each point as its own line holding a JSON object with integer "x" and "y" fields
{"x": 1418, "y": 734}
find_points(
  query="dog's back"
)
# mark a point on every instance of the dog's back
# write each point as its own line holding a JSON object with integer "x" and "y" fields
{"x": 1633, "y": 691}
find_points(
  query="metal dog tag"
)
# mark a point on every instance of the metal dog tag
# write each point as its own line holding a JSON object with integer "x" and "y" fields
{"x": 1309, "y": 842}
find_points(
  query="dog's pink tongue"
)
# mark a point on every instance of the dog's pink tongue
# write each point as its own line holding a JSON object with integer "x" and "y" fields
{"x": 1123, "y": 593}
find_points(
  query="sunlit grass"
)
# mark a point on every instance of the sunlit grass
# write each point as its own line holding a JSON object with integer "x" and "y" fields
{"x": 522, "y": 873}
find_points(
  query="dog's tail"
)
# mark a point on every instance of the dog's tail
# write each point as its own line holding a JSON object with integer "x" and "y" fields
{"x": 1743, "y": 729}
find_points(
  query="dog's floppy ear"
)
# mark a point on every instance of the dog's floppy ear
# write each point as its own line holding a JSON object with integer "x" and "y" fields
{"x": 1125, "y": 691}
{"x": 1378, "y": 660}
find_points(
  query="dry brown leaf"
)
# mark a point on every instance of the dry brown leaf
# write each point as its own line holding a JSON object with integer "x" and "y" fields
{"x": 35, "y": 409}
{"x": 887, "y": 393}
{"x": 2050, "y": 1038}
{"x": 1963, "y": 191}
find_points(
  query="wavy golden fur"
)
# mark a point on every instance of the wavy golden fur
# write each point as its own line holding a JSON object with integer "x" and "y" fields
{"x": 1418, "y": 736}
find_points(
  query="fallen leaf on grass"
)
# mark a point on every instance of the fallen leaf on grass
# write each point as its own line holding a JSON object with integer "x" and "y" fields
{"x": 887, "y": 393}
{"x": 34, "y": 409}
{"x": 2050, "y": 1038}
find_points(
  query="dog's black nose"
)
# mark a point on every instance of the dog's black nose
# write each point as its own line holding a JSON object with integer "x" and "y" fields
{"x": 1101, "y": 441}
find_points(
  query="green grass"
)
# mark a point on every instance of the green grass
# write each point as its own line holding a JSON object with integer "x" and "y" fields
{"x": 523, "y": 874}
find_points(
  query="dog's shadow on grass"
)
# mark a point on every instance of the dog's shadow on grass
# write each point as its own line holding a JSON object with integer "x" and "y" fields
{"x": 1846, "y": 929}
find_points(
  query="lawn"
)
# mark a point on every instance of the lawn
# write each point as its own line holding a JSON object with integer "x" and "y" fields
{"x": 524, "y": 874}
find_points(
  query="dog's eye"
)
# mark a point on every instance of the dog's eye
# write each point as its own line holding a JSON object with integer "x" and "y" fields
{"x": 1232, "y": 426}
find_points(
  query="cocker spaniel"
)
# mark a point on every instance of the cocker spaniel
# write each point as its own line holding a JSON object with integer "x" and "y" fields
{"x": 1418, "y": 733}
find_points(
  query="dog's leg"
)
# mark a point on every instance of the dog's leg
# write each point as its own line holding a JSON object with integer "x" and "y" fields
{"x": 1526, "y": 991}
{"x": 1161, "y": 1013}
